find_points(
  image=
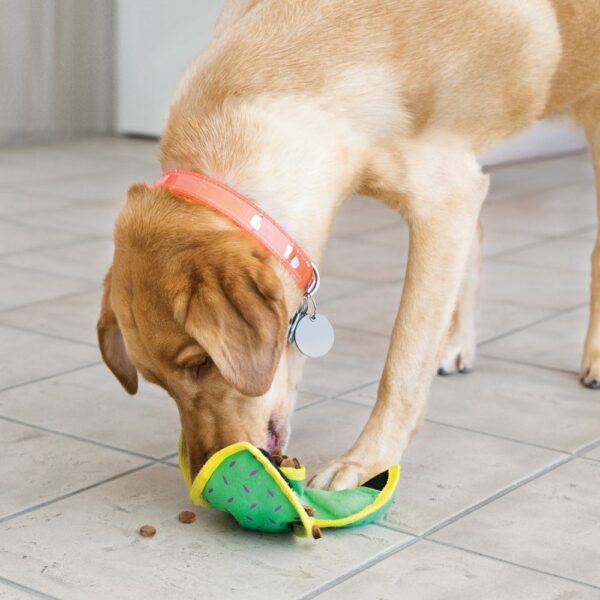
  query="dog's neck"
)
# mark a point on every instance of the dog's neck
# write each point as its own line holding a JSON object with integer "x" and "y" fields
{"x": 286, "y": 155}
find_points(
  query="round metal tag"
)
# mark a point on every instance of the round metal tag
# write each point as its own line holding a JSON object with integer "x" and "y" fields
{"x": 294, "y": 324}
{"x": 314, "y": 335}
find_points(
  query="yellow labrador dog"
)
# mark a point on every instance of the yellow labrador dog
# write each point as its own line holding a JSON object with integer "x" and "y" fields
{"x": 299, "y": 104}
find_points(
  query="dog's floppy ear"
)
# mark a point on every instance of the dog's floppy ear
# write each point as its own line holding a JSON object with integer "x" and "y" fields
{"x": 234, "y": 308}
{"x": 112, "y": 344}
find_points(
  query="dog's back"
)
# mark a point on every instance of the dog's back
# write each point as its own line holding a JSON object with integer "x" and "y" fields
{"x": 479, "y": 68}
{"x": 578, "y": 73}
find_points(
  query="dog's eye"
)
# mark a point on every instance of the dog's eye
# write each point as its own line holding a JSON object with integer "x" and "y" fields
{"x": 197, "y": 369}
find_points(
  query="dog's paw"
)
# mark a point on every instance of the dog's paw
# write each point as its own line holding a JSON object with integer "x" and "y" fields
{"x": 590, "y": 369}
{"x": 346, "y": 473}
{"x": 457, "y": 359}
{"x": 339, "y": 475}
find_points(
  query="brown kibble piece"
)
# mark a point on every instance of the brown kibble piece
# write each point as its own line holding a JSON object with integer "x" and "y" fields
{"x": 290, "y": 463}
{"x": 147, "y": 530}
{"x": 297, "y": 464}
{"x": 277, "y": 459}
{"x": 310, "y": 511}
{"x": 316, "y": 532}
{"x": 187, "y": 516}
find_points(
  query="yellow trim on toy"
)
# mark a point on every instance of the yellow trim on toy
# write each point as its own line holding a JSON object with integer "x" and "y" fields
{"x": 302, "y": 529}
{"x": 294, "y": 474}
{"x": 183, "y": 461}
{"x": 382, "y": 498}
{"x": 197, "y": 487}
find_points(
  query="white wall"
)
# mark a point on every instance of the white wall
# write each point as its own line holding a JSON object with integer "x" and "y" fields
{"x": 543, "y": 139}
{"x": 156, "y": 40}
{"x": 55, "y": 68}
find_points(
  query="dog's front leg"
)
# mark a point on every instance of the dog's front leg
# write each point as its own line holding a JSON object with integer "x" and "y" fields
{"x": 442, "y": 231}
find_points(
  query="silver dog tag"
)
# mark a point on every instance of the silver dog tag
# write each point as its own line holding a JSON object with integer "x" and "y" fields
{"x": 314, "y": 335}
{"x": 300, "y": 313}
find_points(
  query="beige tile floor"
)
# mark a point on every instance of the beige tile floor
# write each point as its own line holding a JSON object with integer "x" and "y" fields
{"x": 500, "y": 493}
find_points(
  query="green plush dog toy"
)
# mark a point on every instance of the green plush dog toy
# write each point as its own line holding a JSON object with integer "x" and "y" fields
{"x": 247, "y": 483}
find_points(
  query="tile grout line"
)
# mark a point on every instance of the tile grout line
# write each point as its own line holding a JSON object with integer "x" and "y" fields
{"x": 553, "y": 315}
{"x": 587, "y": 448}
{"x": 28, "y": 211}
{"x": 540, "y": 242}
{"x": 503, "y": 492}
{"x": 567, "y": 458}
{"x": 326, "y": 398}
{"x": 590, "y": 459}
{"x": 470, "y": 430}
{"x": 498, "y": 197}
{"x": 39, "y": 271}
{"x": 164, "y": 460}
{"x": 425, "y": 535}
{"x": 528, "y": 364}
{"x": 357, "y": 388}
{"x": 336, "y": 395}
{"x": 25, "y": 186}
{"x": 359, "y": 236}
{"x": 379, "y": 558}
{"x": 356, "y": 288}
{"x": 394, "y": 549}
{"x": 168, "y": 456}
{"x": 499, "y": 437}
{"x": 96, "y": 287}
{"x": 510, "y": 488}
{"x": 362, "y": 386}
{"x": 53, "y": 228}
{"x": 514, "y": 564}
{"x": 46, "y": 377}
{"x": 84, "y": 239}
{"x": 79, "y": 438}
{"x": 53, "y": 336}
{"x": 556, "y": 313}
{"x": 96, "y": 484}
{"x": 24, "y": 588}
{"x": 536, "y": 159}
{"x": 310, "y": 404}
{"x": 417, "y": 539}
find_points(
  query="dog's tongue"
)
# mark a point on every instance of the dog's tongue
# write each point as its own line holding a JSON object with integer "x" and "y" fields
{"x": 274, "y": 439}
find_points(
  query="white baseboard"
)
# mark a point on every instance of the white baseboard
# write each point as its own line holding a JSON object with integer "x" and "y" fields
{"x": 546, "y": 138}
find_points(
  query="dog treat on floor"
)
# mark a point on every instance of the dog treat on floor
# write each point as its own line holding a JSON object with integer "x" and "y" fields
{"x": 147, "y": 531}
{"x": 187, "y": 516}
{"x": 268, "y": 494}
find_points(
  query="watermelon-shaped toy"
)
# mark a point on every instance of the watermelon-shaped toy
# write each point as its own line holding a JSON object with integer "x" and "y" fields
{"x": 247, "y": 483}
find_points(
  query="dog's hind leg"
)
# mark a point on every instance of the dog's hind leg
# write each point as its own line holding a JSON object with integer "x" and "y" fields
{"x": 459, "y": 352}
{"x": 590, "y": 366}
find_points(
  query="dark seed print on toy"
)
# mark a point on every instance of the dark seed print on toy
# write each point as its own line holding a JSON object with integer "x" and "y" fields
{"x": 244, "y": 489}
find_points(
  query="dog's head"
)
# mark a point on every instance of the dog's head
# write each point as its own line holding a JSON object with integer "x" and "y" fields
{"x": 193, "y": 305}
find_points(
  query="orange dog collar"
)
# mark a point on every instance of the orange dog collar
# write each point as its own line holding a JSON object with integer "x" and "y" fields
{"x": 203, "y": 190}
